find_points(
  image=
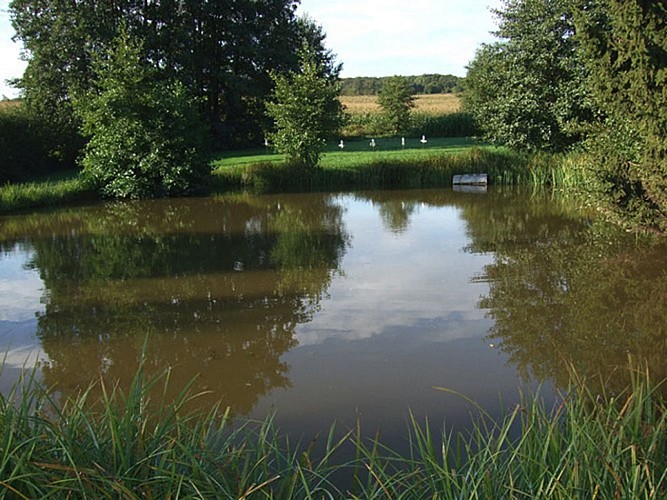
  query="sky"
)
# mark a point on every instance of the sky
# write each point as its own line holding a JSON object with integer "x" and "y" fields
{"x": 370, "y": 37}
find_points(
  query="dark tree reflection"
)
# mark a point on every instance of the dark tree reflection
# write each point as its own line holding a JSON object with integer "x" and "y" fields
{"x": 568, "y": 293}
{"x": 218, "y": 286}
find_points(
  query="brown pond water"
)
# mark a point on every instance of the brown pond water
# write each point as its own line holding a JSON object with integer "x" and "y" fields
{"x": 332, "y": 306}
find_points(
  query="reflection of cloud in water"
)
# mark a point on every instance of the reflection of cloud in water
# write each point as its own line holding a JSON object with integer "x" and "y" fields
{"x": 20, "y": 289}
{"x": 418, "y": 280}
{"x": 20, "y": 300}
{"x": 458, "y": 325}
{"x": 19, "y": 350}
{"x": 18, "y": 345}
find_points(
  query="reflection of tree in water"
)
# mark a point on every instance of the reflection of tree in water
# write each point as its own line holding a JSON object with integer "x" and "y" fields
{"x": 396, "y": 214}
{"x": 571, "y": 292}
{"x": 219, "y": 285}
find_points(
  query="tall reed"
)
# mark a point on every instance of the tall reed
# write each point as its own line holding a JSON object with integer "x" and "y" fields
{"x": 503, "y": 167}
{"x": 20, "y": 196}
{"x": 131, "y": 444}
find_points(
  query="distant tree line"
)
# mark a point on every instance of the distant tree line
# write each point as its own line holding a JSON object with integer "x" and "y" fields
{"x": 422, "y": 84}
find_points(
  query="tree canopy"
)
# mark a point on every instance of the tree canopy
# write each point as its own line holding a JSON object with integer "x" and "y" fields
{"x": 527, "y": 90}
{"x": 587, "y": 75}
{"x": 421, "y": 84}
{"x": 625, "y": 47}
{"x": 222, "y": 52}
{"x": 395, "y": 99}
{"x": 145, "y": 133}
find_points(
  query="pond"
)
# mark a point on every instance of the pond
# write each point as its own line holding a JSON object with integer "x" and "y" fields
{"x": 322, "y": 307}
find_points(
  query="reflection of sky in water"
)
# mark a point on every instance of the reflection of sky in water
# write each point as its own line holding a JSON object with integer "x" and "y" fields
{"x": 401, "y": 319}
{"x": 20, "y": 300}
{"x": 20, "y": 289}
{"x": 418, "y": 278}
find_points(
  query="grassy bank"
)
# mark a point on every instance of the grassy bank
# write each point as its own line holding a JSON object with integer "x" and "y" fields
{"x": 48, "y": 192}
{"x": 390, "y": 166}
{"x": 592, "y": 445}
{"x": 357, "y": 166}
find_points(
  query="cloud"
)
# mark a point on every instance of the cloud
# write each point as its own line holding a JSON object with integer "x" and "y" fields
{"x": 384, "y": 37}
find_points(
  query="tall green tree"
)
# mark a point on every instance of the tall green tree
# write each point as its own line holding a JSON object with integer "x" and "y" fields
{"x": 222, "y": 52}
{"x": 396, "y": 100}
{"x": 144, "y": 133}
{"x": 305, "y": 109}
{"x": 528, "y": 89}
{"x": 625, "y": 47}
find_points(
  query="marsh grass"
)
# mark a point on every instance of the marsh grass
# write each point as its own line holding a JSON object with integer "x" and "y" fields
{"x": 127, "y": 445}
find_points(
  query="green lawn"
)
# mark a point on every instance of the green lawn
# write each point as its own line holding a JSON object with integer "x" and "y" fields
{"x": 355, "y": 152}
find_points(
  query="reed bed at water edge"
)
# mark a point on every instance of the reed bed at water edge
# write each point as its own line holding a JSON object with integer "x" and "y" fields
{"x": 592, "y": 445}
{"x": 397, "y": 169}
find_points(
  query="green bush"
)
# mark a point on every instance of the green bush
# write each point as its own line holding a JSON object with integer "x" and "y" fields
{"x": 146, "y": 137}
{"x": 446, "y": 125}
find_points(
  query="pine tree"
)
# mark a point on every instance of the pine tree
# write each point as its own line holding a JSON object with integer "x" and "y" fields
{"x": 625, "y": 44}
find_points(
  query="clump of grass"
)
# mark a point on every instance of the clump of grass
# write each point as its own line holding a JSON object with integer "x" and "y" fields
{"x": 129, "y": 446}
{"x": 593, "y": 445}
{"x": 596, "y": 445}
{"x": 14, "y": 197}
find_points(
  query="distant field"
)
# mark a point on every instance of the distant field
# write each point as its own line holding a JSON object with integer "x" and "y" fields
{"x": 10, "y": 103}
{"x": 436, "y": 104}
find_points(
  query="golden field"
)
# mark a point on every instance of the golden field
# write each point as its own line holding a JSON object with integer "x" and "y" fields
{"x": 9, "y": 103}
{"x": 437, "y": 104}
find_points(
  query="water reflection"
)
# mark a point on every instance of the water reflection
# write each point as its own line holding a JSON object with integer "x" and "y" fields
{"x": 219, "y": 285}
{"x": 586, "y": 296}
{"x": 326, "y": 305}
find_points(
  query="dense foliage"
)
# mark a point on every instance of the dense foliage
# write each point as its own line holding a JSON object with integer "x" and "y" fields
{"x": 221, "y": 52}
{"x": 145, "y": 133}
{"x": 305, "y": 109}
{"x": 395, "y": 99}
{"x": 421, "y": 84}
{"x": 625, "y": 46}
{"x": 23, "y": 145}
{"x": 527, "y": 90}
{"x": 586, "y": 74}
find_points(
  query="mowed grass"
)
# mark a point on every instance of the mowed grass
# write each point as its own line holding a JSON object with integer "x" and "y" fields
{"x": 358, "y": 151}
{"x": 437, "y": 104}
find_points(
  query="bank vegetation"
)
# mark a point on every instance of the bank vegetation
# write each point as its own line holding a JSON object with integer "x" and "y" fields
{"x": 135, "y": 444}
